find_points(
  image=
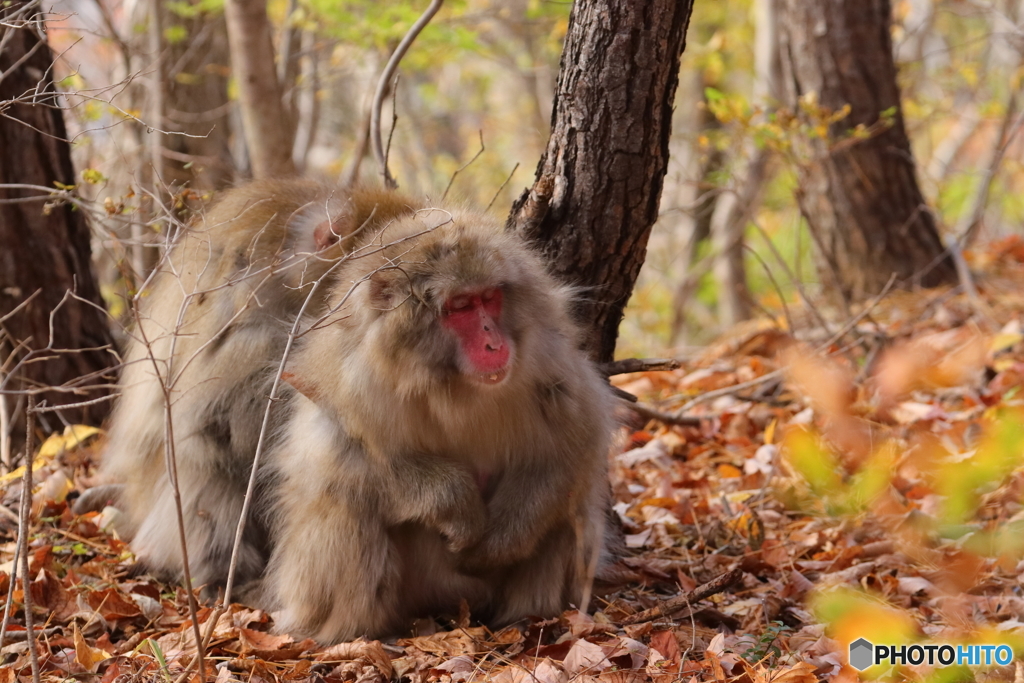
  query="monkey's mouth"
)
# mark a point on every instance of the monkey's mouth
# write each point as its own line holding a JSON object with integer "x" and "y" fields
{"x": 491, "y": 378}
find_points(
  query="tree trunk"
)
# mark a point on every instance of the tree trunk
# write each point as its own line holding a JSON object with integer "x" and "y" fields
{"x": 44, "y": 248}
{"x": 860, "y": 198}
{"x": 269, "y": 131}
{"x": 196, "y": 97}
{"x": 596, "y": 193}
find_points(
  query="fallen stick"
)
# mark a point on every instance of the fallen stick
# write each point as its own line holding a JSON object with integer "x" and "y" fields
{"x": 673, "y": 605}
{"x": 628, "y": 365}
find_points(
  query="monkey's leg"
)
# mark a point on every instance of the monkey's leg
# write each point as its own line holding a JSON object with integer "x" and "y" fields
{"x": 210, "y": 511}
{"x": 544, "y": 584}
{"x": 334, "y": 572}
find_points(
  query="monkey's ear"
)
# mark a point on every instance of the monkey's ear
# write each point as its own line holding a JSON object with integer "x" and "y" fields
{"x": 319, "y": 226}
{"x": 327, "y": 233}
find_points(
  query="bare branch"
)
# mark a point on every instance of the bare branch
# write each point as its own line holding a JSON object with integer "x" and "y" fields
{"x": 628, "y": 365}
{"x": 673, "y": 605}
{"x": 464, "y": 166}
{"x": 502, "y": 187}
{"x": 24, "y": 529}
{"x": 382, "y": 86}
{"x": 647, "y": 412}
{"x": 19, "y": 550}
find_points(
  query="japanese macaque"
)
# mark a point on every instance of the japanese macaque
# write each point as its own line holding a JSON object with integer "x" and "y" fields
{"x": 442, "y": 439}
{"x": 210, "y": 325}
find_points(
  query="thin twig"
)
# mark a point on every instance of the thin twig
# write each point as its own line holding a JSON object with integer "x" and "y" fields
{"x": 272, "y": 399}
{"x": 5, "y": 431}
{"x": 732, "y": 389}
{"x": 18, "y": 636}
{"x": 264, "y": 427}
{"x": 385, "y": 78}
{"x": 464, "y": 166}
{"x": 650, "y": 413}
{"x": 9, "y": 514}
{"x": 78, "y": 404}
{"x": 775, "y": 374}
{"x": 967, "y": 229}
{"x": 24, "y": 528}
{"x": 19, "y": 548}
{"x": 502, "y": 187}
{"x": 775, "y": 284}
{"x": 860, "y": 316}
{"x": 171, "y": 465}
{"x": 792, "y": 276}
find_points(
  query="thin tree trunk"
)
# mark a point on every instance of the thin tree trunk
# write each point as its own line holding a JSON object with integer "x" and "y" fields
{"x": 44, "y": 250}
{"x": 598, "y": 184}
{"x": 734, "y": 210}
{"x": 728, "y": 228}
{"x": 269, "y": 131}
{"x": 861, "y": 200}
{"x": 708, "y": 194}
{"x": 197, "y": 103}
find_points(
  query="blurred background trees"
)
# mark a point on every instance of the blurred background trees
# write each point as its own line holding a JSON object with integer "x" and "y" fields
{"x": 816, "y": 149}
{"x": 858, "y": 192}
{"x": 831, "y": 131}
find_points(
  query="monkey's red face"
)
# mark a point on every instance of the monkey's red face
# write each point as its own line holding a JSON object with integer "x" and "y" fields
{"x": 475, "y": 319}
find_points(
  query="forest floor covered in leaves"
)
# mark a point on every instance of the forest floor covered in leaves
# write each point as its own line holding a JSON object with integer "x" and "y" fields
{"x": 861, "y": 478}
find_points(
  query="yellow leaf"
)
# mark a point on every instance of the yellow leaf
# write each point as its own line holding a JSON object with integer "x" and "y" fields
{"x": 851, "y": 614}
{"x": 1003, "y": 364}
{"x": 17, "y": 474}
{"x": 87, "y": 656}
{"x": 802, "y": 672}
{"x": 740, "y": 496}
{"x": 73, "y": 437}
{"x": 1004, "y": 340}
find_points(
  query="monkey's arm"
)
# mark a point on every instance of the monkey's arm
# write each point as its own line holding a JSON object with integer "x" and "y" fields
{"x": 436, "y": 492}
{"x": 527, "y": 503}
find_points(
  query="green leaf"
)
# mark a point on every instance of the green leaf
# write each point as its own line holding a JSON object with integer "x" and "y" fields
{"x": 93, "y": 176}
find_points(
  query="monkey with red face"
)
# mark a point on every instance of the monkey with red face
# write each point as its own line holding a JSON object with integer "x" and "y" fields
{"x": 459, "y": 403}
{"x": 445, "y": 441}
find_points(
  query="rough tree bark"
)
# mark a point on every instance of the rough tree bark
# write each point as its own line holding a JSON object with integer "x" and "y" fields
{"x": 861, "y": 200}
{"x": 44, "y": 249}
{"x": 597, "y": 187}
{"x": 269, "y": 131}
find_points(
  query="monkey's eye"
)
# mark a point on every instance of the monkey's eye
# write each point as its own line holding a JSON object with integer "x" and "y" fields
{"x": 459, "y": 303}
{"x": 490, "y": 293}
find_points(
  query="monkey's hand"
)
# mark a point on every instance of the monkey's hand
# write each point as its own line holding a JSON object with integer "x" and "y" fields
{"x": 442, "y": 495}
{"x": 461, "y": 526}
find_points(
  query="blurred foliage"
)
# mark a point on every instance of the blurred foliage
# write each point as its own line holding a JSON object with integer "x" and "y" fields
{"x": 960, "y": 63}
{"x": 959, "y": 482}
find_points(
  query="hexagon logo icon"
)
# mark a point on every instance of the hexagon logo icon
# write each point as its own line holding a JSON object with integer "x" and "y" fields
{"x": 861, "y": 654}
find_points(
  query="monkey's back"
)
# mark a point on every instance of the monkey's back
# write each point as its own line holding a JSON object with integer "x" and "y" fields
{"x": 209, "y": 332}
